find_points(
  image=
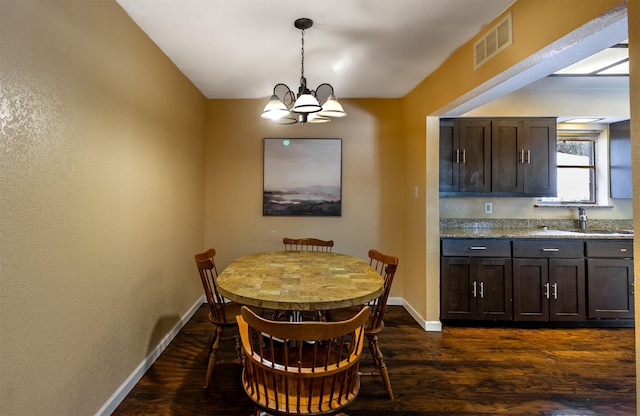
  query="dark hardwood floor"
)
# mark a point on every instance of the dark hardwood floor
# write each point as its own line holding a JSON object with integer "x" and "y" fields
{"x": 459, "y": 371}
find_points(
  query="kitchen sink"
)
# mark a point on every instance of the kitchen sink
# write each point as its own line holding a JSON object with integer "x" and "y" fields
{"x": 588, "y": 231}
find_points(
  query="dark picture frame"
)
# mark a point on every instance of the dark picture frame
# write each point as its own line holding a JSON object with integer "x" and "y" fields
{"x": 302, "y": 177}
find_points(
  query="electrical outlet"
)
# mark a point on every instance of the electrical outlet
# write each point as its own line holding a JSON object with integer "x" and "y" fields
{"x": 488, "y": 208}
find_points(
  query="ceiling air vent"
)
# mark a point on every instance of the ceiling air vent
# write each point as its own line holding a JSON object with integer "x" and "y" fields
{"x": 499, "y": 37}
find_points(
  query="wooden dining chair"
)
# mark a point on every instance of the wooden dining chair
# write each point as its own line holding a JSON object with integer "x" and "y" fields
{"x": 307, "y": 244}
{"x": 301, "y": 368}
{"x": 222, "y": 313}
{"x": 386, "y": 265}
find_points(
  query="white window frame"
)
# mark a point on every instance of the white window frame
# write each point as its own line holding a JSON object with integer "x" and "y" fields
{"x": 600, "y": 137}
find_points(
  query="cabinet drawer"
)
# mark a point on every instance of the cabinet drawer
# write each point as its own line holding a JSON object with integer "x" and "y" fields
{"x": 476, "y": 247}
{"x": 610, "y": 248}
{"x": 548, "y": 249}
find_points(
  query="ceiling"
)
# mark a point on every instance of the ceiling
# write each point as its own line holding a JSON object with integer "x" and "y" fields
{"x": 364, "y": 48}
{"x": 234, "y": 49}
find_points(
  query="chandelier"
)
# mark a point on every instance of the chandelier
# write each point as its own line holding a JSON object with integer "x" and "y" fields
{"x": 285, "y": 107}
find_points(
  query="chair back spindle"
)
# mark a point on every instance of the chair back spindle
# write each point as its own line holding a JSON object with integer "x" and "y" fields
{"x": 307, "y": 244}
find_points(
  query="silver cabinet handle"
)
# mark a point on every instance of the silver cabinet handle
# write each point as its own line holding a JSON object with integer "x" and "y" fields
{"x": 477, "y": 248}
{"x": 464, "y": 156}
{"x": 546, "y": 290}
{"x": 482, "y": 290}
{"x": 521, "y": 156}
{"x": 457, "y": 155}
{"x": 555, "y": 290}
{"x": 529, "y": 156}
{"x": 474, "y": 288}
{"x": 623, "y": 250}
{"x": 550, "y": 249}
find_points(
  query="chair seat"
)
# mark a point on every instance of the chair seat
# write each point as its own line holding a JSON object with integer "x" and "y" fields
{"x": 341, "y": 314}
{"x": 231, "y": 310}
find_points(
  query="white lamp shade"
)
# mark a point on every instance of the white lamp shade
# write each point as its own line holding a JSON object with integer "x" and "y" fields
{"x": 317, "y": 118}
{"x": 289, "y": 118}
{"x": 332, "y": 108}
{"x": 275, "y": 109}
{"x": 306, "y": 103}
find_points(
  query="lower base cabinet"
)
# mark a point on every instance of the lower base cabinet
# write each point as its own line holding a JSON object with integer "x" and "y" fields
{"x": 610, "y": 279}
{"x": 476, "y": 288}
{"x": 610, "y": 288}
{"x": 549, "y": 290}
{"x": 550, "y": 281}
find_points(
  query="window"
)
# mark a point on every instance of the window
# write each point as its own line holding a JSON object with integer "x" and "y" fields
{"x": 577, "y": 168}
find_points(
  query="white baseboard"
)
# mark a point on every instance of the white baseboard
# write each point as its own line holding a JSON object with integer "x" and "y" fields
{"x": 435, "y": 326}
{"x": 118, "y": 396}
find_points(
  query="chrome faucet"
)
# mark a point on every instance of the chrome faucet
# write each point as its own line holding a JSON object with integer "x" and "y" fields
{"x": 582, "y": 218}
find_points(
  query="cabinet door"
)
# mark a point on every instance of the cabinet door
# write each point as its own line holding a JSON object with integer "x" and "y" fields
{"x": 540, "y": 157}
{"x": 456, "y": 298}
{"x": 474, "y": 155}
{"x": 610, "y": 288}
{"x": 448, "y": 147}
{"x": 566, "y": 290}
{"x": 620, "y": 160}
{"x": 530, "y": 279}
{"x": 507, "y": 153}
{"x": 494, "y": 288}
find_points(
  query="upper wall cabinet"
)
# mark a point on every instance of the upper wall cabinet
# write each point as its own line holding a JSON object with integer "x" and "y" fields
{"x": 620, "y": 159}
{"x": 465, "y": 156}
{"x": 499, "y": 157}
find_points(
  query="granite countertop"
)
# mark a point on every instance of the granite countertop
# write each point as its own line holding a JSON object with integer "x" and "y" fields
{"x": 473, "y": 232}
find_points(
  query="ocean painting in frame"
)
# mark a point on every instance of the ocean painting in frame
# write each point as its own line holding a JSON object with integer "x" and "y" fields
{"x": 302, "y": 177}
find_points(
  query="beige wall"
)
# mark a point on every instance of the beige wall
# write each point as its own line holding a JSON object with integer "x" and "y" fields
{"x": 372, "y": 174}
{"x": 101, "y": 202}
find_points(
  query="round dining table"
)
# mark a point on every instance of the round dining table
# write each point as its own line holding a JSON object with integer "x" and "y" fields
{"x": 300, "y": 281}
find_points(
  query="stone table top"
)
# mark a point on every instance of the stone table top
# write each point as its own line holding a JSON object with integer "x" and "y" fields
{"x": 300, "y": 281}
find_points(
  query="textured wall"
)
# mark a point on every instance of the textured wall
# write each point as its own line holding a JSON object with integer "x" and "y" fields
{"x": 101, "y": 202}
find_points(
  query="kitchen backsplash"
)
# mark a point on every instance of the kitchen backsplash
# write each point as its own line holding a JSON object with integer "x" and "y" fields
{"x": 534, "y": 223}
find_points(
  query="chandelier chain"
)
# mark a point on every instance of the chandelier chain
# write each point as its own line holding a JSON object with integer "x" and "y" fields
{"x": 302, "y": 55}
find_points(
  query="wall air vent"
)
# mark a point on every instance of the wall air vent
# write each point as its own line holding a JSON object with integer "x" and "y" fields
{"x": 499, "y": 37}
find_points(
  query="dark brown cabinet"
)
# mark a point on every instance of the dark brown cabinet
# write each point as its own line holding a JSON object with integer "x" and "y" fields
{"x": 582, "y": 282}
{"x": 500, "y": 157}
{"x": 465, "y": 155}
{"x": 620, "y": 160}
{"x": 548, "y": 281}
{"x": 476, "y": 279}
{"x": 523, "y": 159}
{"x": 610, "y": 279}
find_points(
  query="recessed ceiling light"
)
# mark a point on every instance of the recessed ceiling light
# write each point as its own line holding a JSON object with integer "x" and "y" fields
{"x": 583, "y": 120}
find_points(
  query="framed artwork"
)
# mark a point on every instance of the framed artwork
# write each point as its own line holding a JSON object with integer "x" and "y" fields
{"x": 302, "y": 177}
